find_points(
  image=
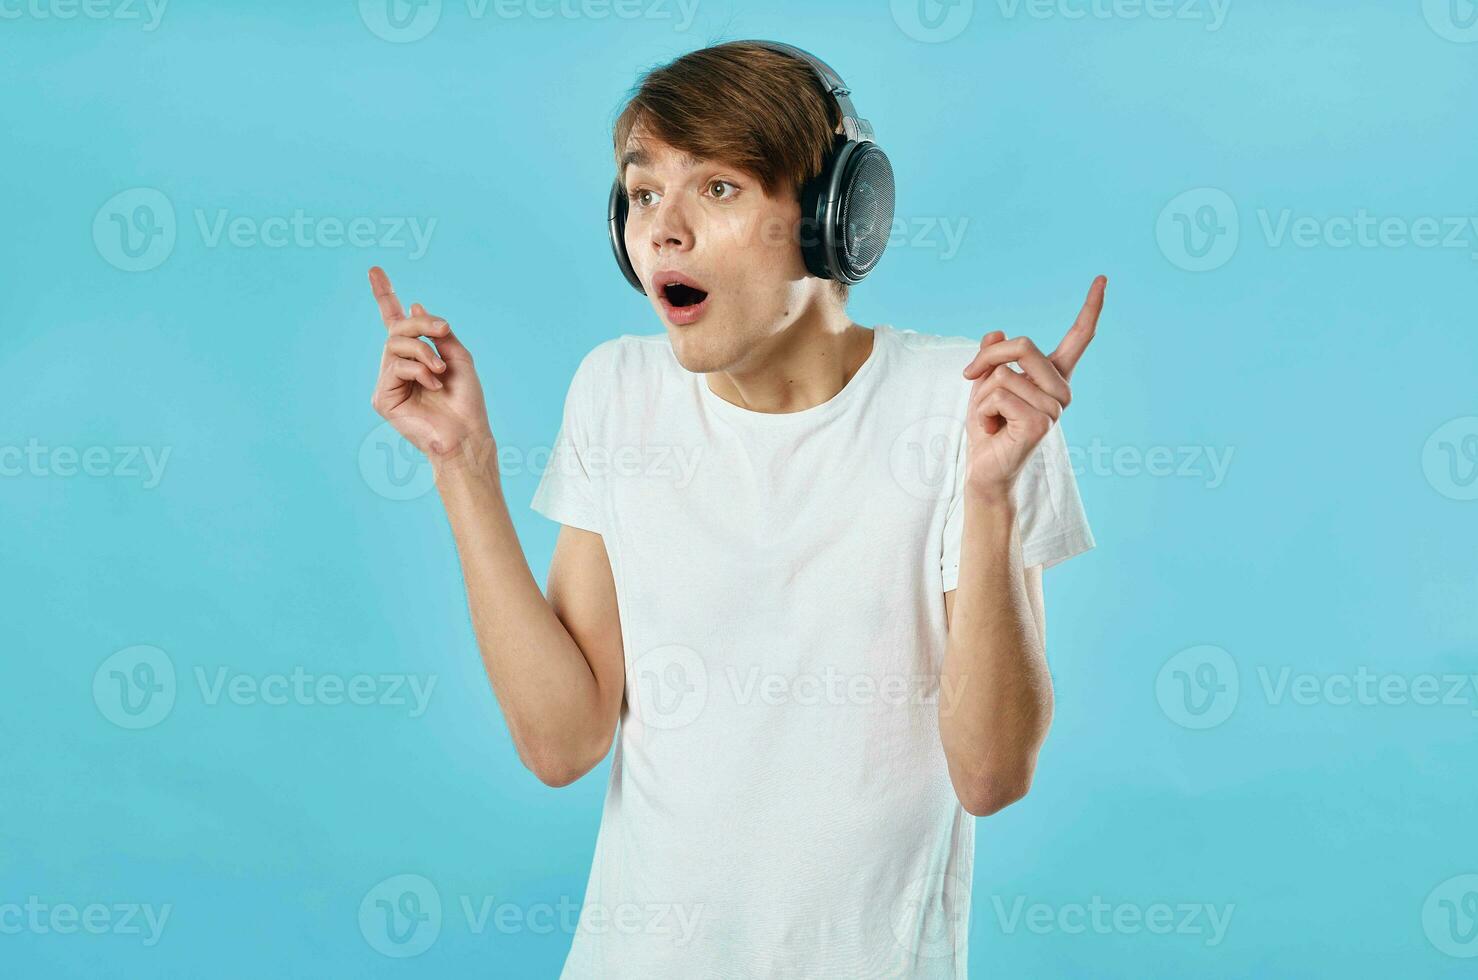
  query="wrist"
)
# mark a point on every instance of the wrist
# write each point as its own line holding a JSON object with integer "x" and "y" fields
{"x": 473, "y": 454}
{"x": 993, "y": 497}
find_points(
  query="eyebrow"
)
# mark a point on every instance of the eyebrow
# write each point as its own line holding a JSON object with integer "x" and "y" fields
{"x": 641, "y": 158}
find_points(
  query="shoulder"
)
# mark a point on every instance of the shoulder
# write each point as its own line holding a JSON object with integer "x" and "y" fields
{"x": 932, "y": 347}
{"x": 612, "y": 364}
{"x": 617, "y": 381}
{"x": 935, "y": 360}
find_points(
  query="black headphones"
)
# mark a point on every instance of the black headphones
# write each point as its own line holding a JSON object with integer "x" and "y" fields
{"x": 846, "y": 210}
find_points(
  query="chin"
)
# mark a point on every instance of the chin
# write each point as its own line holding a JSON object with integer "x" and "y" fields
{"x": 686, "y": 348}
{"x": 691, "y": 348}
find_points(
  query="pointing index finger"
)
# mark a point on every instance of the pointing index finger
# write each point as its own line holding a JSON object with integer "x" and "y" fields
{"x": 389, "y": 303}
{"x": 1081, "y": 333}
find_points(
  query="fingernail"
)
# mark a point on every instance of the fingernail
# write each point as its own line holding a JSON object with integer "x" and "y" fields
{"x": 436, "y": 383}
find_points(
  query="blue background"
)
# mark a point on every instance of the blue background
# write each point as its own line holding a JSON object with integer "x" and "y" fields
{"x": 1340, "y": 538}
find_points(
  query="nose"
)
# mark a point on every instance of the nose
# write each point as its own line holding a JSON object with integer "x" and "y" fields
{"x": 671, "y": 229}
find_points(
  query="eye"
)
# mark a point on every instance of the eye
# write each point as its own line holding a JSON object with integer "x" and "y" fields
{"x": 723, "y": 183}
{"x": 635, "y": 197}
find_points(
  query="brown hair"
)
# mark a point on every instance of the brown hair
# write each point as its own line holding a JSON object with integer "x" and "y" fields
{"x": 743, "y": 104}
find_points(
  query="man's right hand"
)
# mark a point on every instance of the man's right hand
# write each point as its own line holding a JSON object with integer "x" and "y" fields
{"x": 556, "y": 664}
{"x": 431, "y": 395}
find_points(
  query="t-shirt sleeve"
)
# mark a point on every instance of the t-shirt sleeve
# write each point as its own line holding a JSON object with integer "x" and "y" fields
{"x": 569, "y": 492}
{"x": 1049, "y": 510}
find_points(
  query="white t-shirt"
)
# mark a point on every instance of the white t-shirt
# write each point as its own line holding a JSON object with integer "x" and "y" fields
{"x": 779, "y": 804}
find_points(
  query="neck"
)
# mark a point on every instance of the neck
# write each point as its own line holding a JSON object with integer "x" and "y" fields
{"x": 799, "y": 367}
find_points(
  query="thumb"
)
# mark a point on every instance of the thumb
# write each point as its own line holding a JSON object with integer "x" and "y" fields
{"x": 994, "y": 337}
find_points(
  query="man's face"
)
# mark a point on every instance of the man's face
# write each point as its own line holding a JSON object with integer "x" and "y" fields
{"x": 713, "y": 224}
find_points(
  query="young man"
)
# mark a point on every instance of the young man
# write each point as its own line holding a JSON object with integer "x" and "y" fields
{"x": 799, "y": 578}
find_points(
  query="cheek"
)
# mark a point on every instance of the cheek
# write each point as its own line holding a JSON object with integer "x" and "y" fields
{"x": 765, "y": 249}
{"x": 633, "y": 238}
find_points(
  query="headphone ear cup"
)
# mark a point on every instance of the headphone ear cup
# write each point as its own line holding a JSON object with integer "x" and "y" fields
{"x": 863, "y": 213}
{"x": 616, "y": 222}
{"x": 847, "y": 212}
{"x": 815, "y": 227}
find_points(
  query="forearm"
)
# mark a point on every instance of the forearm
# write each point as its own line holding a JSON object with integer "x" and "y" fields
{"x": 541, "y": 679}
{"x": 995, "y": 701}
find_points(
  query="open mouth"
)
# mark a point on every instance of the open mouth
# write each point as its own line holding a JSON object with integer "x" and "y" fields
{"x": 681, "y": 296}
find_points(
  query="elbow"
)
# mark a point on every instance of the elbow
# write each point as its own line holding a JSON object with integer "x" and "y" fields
{"x": 994, "y": 794}
{"x": 556, "y": 775}
{"x": 557, "y": 769}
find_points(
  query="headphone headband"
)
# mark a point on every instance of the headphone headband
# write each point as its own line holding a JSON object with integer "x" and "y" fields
{"x": 853, "y": 126}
